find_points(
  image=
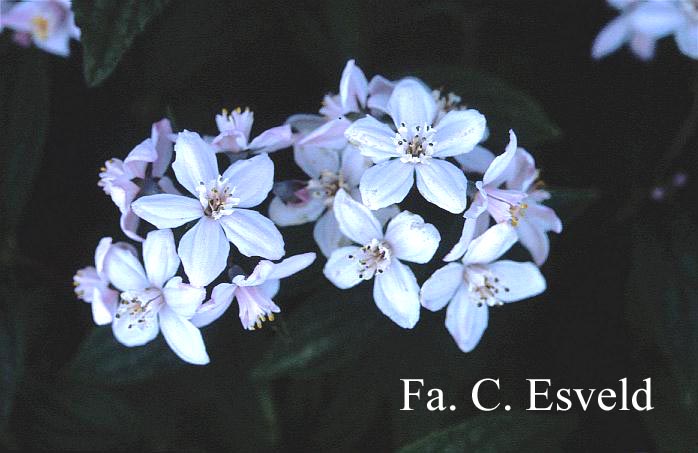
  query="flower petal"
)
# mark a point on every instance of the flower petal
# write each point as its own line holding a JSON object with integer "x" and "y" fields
{"x": 314, "y": 160}
{"x": 287, "y": 214}
{"x": 341, "y": 270}
{"x": 271, "y": 140}
{"x": 160, "y": 133}
{"x": 221, "y": 298}
{"x": 472, "y": 228}
{"x": 465, "y": 320}
{"x": 611, "y": 37}
{"x": 204, "y": 251}
{"x": 354, "y": 164}
{"x": 442, "y": 184}
{"x": 305, "y": 122}
{"x": 411, "y": 239}
{"x": 396, "y": 294}
{"x": 374, "y": 139}
{"x": 183, "y": 298}
{"x": 104, "y": 305}
{"x": 411, "y": 103}
{"x": 498, "y": 170}
{"x": 329, "y": 135}
{"x": 458, "y": 132}
{"x": 440, "y": 288}
{"x": 534, "y": 239}
{"x": 353, "y": 88}
{"x": 491, "y": 244}
{"x": 195, "y": 161}
{"x": 183, "y": 337}
{"x": 687, "y": 40}
{"x": 476, "y": 161}
{"x": 386, "y": 183}
{"x": 657, "y": 18}
{"x": 167, "y": 211}
{"x": 160, "y": 257}
{"x": 327, "y": 234}
{"x": 253, "y": 234}
{"x": 251, "y": 179}
{"x": 379, "y": 91}
{"x": 355, "y": 220}
{"x": 291, "y": 265}
{"x": 123, "y": 269}
{"x": 523, "y": 280}
{"x": 136, "y": 335}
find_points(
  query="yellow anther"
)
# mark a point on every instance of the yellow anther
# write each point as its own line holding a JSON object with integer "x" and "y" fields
{"x": 40, "y": 25}
{"x": 225, "y": 112}
{"x": 271, "y": 316}
{"x": 238, "y": 110}
{"x": 102, "y": 169}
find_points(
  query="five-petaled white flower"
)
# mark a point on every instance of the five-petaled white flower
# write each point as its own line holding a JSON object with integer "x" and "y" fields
{"x": 234, "y": 134}
{"x": 125, "y": 180}
{"x": 480, "y": 282}
{"x": 254, "y": 293}
{"x": 49, "y": 24}
{"x": 418, "y": 146}
{"x": 92, "y": 284}
{"x": 153, "y": 299}
{"x": 218, "y": 206}
{"x": 407, "y": 237}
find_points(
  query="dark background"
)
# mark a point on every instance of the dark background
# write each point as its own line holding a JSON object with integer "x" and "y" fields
{"x": 622, "y": 277}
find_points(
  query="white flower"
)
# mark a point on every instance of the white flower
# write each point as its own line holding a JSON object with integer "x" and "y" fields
{"x": 418, "y": 146}
{"x": 254, "y": 293}
{"x": 479, "y": 282}
{"x": 92, "y": 285}
{"x": 407, "y": 238}
{"x": 235, "y": 129}
{"x": 153, "y": 299}
{"x": 218, "y": 206}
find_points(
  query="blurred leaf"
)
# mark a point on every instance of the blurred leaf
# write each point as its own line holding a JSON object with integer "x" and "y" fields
{"x": 505, "y": 106}
{"x": 323, "y": 334}
{"x": 499, "y": 432}
{"x": 24, "y": 96}
{"x": 570, "y": 203}
{"x": 108, "y": 30}
{"x": 103, "y": 361}
{"x": 663, "y": 285}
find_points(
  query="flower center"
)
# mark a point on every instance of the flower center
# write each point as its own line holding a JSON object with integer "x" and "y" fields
{"x": 327, "y": 185}
{"x": 40, "y": 27}
{"x": 373, "y": 258}
{"x": 140, "y": 307}
{"x": 484, "y": 285}
{"x": 415, "y": 145}
{"x": 217, "y": 199}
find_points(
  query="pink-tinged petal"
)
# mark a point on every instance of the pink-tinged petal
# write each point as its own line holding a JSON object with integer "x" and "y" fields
{"x": 379, "y": 91}
{"x": 129, "y": 221}
{"x": 270, "y": 288}
{"x": 19, "y": 17}
{"x": 643, "y": 46}
{"x": 204, "y": 252}
{"x": 353, "y": 88}
{"x": 221, "y": 298}
{"x": 374, "y": 139}
{"x": 687, "y": 40}
{"x": 396, "y": 294}
{"x": 258, "y": 276}
{"x": 254, "y": 306}
{"x": 354, "y": 164}
{"x": 386, "y": 183}
{"x": 305, "y": 122}
{"x": 544, "y": 217}
{"x": 534, "y": 239}
{"x": 657, "y": 19}
{"x": 137, "y": 334}
{"x": 273, "y": 139}
{"x": 21, "y": 38}
{"x": 442, "y": 184}
{"x": 251, "y": 179}
{"x": 440, "y": 288}
{"x": 291, "y": 265}
{"x": 523, "y": 280}
{"x": 160, "y": 257}
{"x": 342, "y": 269}
{"x": 140, "y": 156}
{"x": 523, "y": 171}
{"x": 498, "y": 170}
{"x": 465, "y": 320}
{"x": 501, "y": 201}
{"x": 167, "y": 211}
{"x": 355, "y": 220}
{"x": 253, "y": 234}
{"x": 479, "y": 204}
{"x": 287, "y": 214}
{"x": 104, "y": 304}
{"x": 122, "y": 193}
{"x": 183, "y": 337}
{"x": 411, "y": 239}
{"x": 182, "y": 298}
{"x": 472, "y": 228}
{"x": 329, "y": 135}
{"x": 314, "y": 160}
{"x": 124, "y": 270}
{"x": 458, "y": 132}
{"x": 160, "y": 134}
{"x": 327, "y": 234}
{"x": 491, "y": 244}
{"x": 195, "y": 161}
{"x": 101, "y": 253}
{"x": 611, "y": 37}
{"x": 476, "y": 161}
{"x": 411, "y": 103}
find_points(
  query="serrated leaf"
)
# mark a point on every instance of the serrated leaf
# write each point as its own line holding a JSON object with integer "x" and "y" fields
{"x": 499, "y": 432}
{"x": 103, "y": 361}
{"x": 108, "y": 29}
{"x": 505, "y": 106}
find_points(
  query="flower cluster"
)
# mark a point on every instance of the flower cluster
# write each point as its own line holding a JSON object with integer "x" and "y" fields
{"x": 642, "y": 22}
{"x": 362, "y": 154}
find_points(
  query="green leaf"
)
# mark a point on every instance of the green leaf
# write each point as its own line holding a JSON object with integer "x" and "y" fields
{"x": 103, "y": 361}
{"x": 499, "y": 432}
{"x": 570, "y": 203}
{"x": 24, "y": 96}
{"x": 108, "y": 29}
{"x": 505, "y": 106}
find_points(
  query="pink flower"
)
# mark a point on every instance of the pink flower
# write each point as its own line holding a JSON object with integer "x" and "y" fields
{"x": 235, "y": 129}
